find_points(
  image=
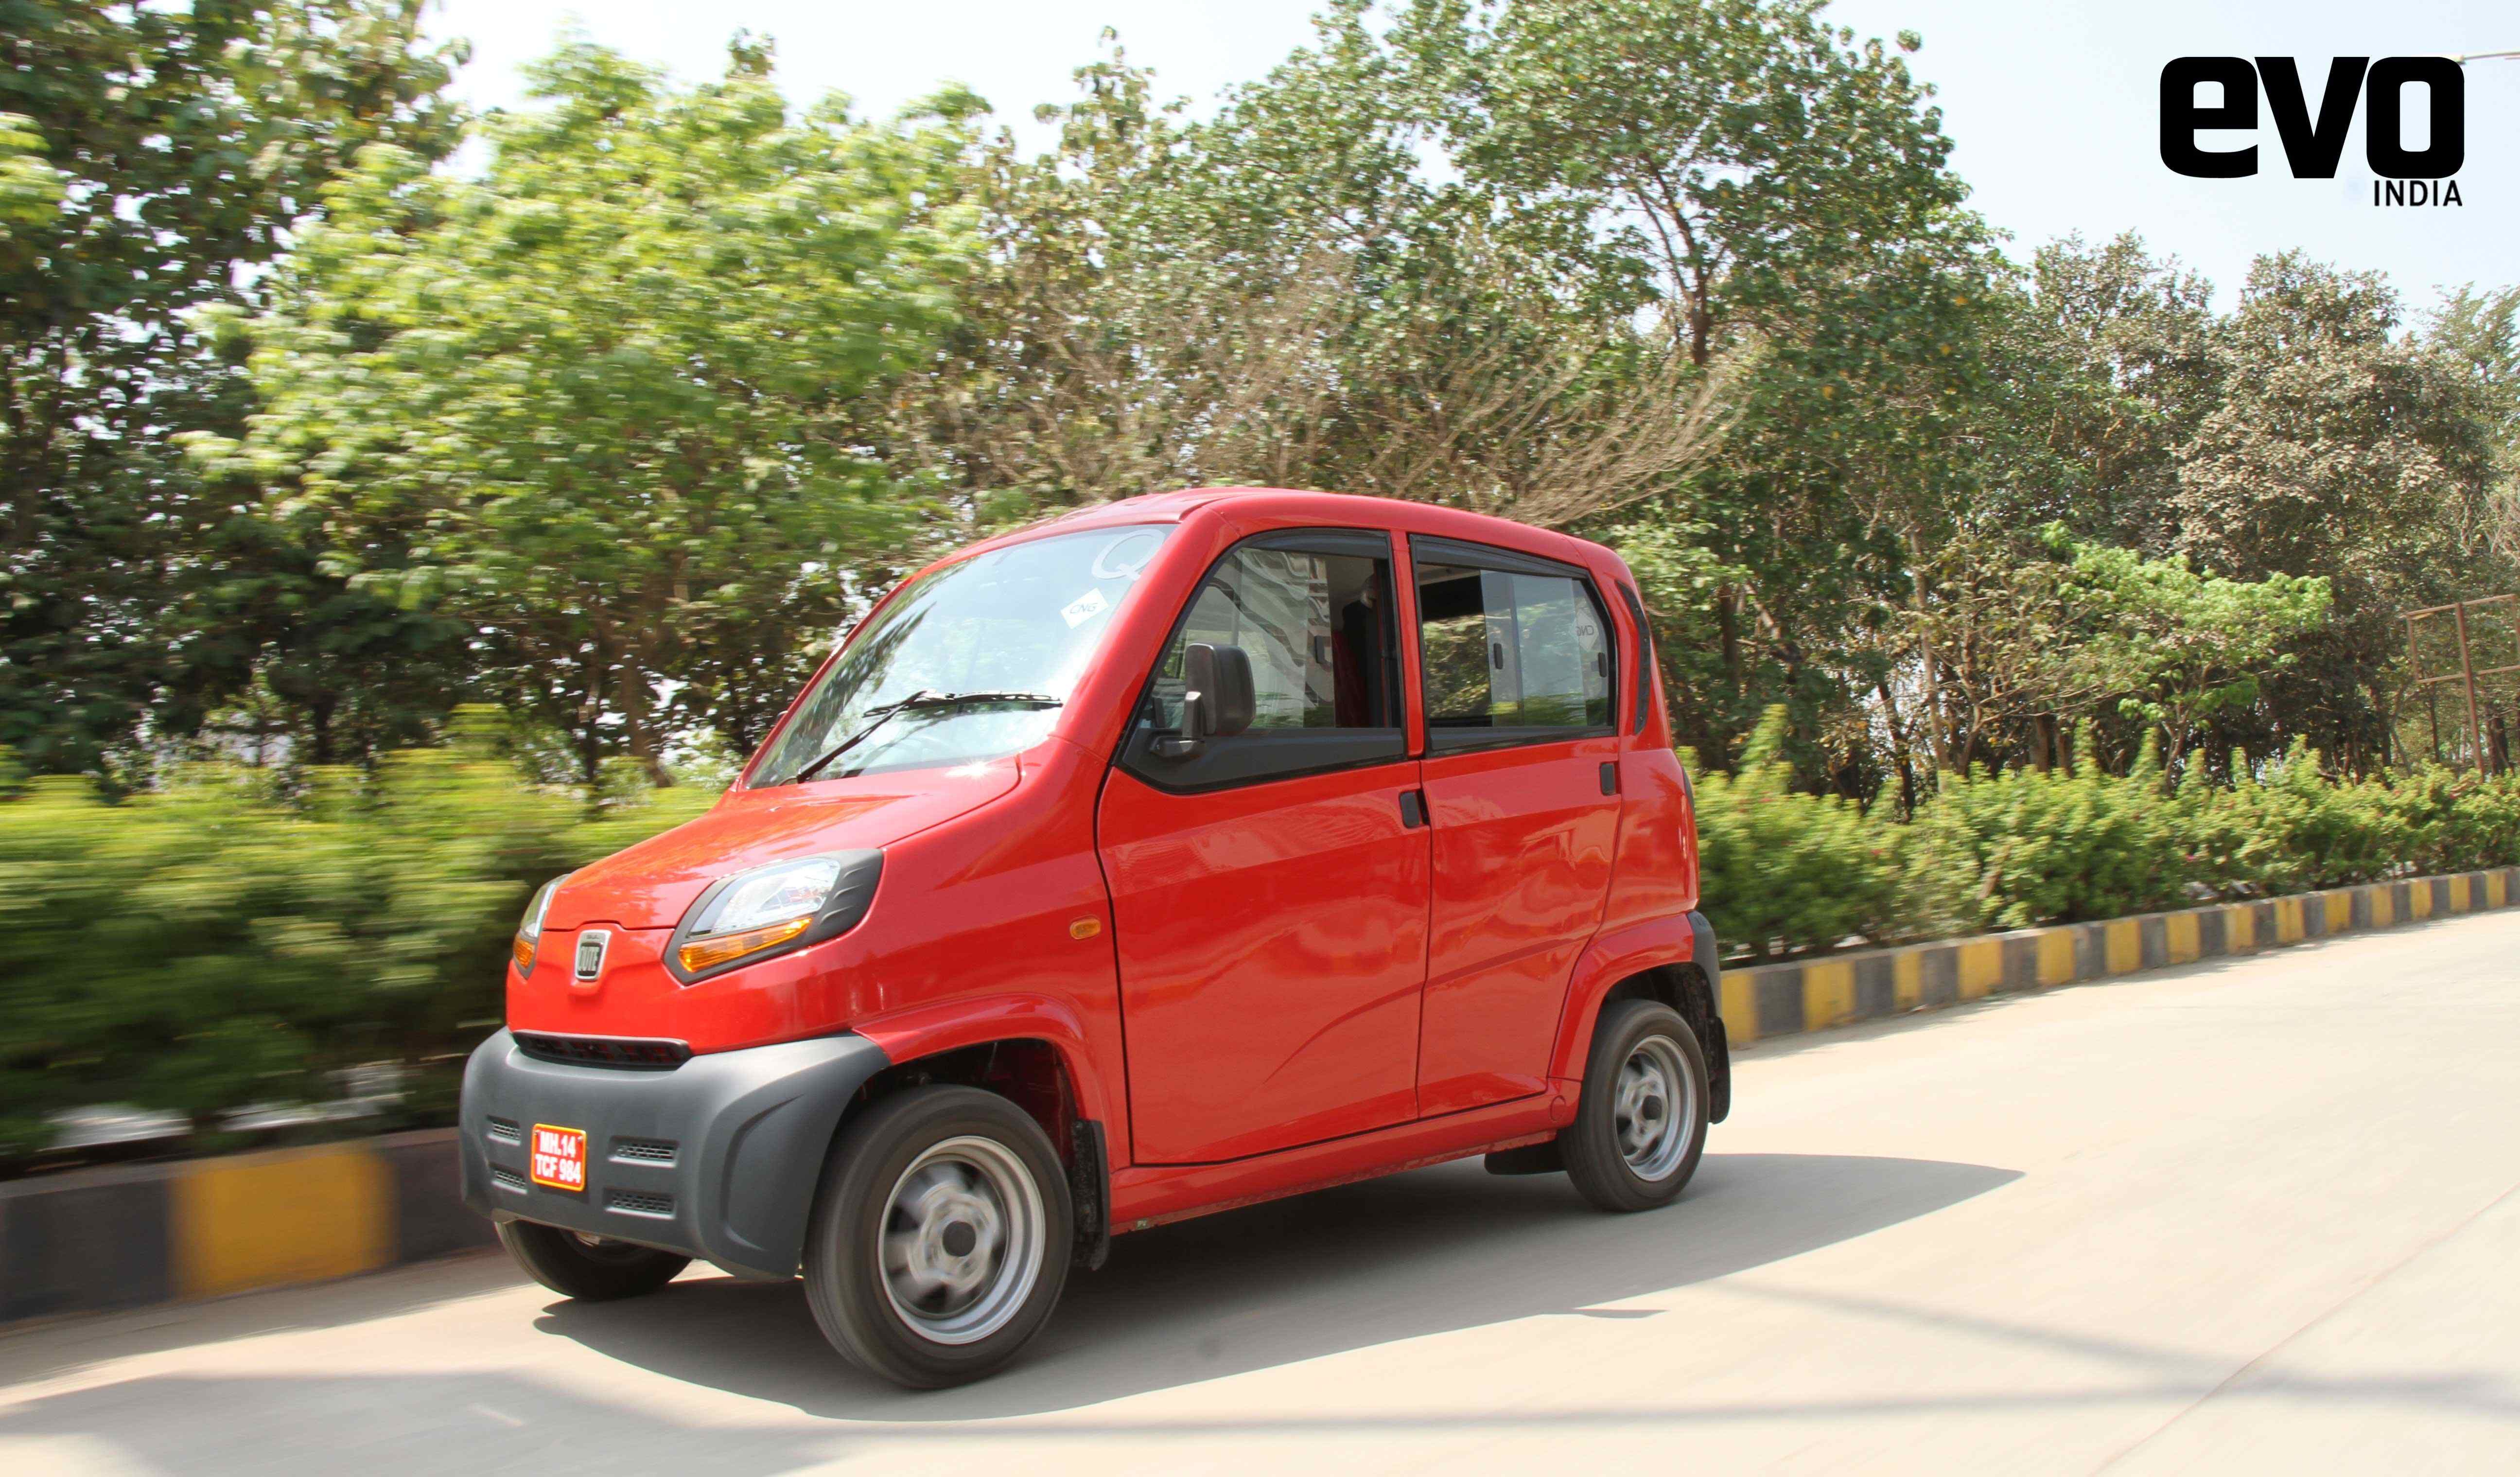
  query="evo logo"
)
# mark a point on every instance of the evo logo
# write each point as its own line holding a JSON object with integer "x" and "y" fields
{"x": 2314, "y": 140}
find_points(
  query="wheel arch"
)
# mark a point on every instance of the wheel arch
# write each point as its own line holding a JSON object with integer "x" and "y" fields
{"x": 1042, "y": 1023}
{"x": 1029, "y": 1050}
{"x": 1672, "y": 959}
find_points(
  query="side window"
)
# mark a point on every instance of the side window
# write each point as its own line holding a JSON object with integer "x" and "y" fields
{"x": 1320, "y": 628}
{"x": 1508, "y": 650}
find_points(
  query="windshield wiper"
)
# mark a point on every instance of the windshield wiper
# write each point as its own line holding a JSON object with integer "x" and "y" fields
{"x": 926, "y": 700}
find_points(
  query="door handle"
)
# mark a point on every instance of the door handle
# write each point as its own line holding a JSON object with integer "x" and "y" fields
{"x": 1413, "y": 809}
{"x": 1610, "y": 778}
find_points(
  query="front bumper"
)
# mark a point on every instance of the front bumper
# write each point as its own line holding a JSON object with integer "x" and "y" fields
{"x": 717, "y": 1159}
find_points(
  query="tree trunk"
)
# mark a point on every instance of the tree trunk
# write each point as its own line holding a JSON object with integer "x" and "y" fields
{"x": 1901, "y": 755}
{"x": 1727, "y": 630}
{"x": 635, "y": 696}
{"x": 1921, "y": 607}
{"x": 319, "y": 727}
{"x": 589, "y": 719}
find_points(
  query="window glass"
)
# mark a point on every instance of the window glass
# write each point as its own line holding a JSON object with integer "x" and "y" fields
{"x": 1318, "y": 630}
{"x": 971, "y": 662}
{"x": 1506, "y": 649}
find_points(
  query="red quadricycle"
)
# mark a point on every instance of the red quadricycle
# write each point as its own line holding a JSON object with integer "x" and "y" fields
{"x": 1360, "y": 818}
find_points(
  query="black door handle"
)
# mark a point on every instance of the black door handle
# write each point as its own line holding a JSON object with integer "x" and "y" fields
{"x": 1413, "y": 809}
{"x": 1610, "y": 779}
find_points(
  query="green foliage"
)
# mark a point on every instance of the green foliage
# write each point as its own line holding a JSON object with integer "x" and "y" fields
{"x": 610, "y": 402}
{"x": 1782, "y": 869}
{"x": 153, "y": 160}
{"x": 220, "y": 943}
{"x": 1788, "y": 872}
{"x": 2022, "y": 847}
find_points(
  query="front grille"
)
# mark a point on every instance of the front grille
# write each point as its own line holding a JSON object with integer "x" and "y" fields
{"x": 643, "y": 1150}
{"x": 507, "y": 1131}
{"x": 604, "y": 1051}
{"x": 639, "y": 1203}
{"x": 507, "y": 1179}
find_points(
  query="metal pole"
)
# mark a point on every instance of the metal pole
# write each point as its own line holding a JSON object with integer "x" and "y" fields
{"x": 2468, "y": 671}
{"x": 2432, "y": 704}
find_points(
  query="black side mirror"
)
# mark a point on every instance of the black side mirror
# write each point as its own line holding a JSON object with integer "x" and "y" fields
{"x": 1218, "y": 701}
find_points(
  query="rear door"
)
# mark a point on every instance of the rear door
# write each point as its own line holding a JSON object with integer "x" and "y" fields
{"x": 1521, "y": 791}
{"x": 1270, "y": 894}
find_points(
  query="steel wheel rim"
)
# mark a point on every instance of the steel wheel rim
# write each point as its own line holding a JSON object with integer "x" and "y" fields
{"x": 1653, "y": 1108}
{"x": 961, "y": 1242}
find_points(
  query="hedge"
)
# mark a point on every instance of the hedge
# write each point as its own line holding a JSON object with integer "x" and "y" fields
{"x": 1789, "y": 873}
{"x": 219, "y": 944}
{"x": 229, "y": 940}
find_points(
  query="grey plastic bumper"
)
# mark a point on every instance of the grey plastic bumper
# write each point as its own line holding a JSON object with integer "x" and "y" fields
{"x": 717, "y": 1159}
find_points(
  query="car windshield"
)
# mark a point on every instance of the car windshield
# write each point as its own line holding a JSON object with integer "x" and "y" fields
{"x": 971, "y": 662}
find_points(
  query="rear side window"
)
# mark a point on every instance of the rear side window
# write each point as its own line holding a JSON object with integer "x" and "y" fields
{"x": 1510, "y": 656}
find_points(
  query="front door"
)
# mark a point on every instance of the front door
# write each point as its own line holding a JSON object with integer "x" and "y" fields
{"x": 1270, "y": 893}
{"x": 1520, "y": 732}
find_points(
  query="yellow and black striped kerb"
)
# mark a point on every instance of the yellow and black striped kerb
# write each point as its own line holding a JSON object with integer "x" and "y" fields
{"x": 1779, "y": 1000}
{"x": 98, "y": 1239}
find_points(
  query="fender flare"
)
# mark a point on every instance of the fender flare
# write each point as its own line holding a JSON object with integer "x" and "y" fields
{"x": 929, "y": 1030}
{"x": 1683, "y": 938}
{"x": 950, "y": 1025}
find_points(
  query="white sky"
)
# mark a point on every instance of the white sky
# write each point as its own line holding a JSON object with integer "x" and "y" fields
{"x": 2052, "y": 104}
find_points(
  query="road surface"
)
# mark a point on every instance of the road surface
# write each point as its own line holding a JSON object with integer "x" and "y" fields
{"x": 2251, "y": 1215}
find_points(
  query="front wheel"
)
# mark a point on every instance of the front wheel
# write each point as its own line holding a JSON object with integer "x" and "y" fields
{"x": 1641, "y": 1125}
{"x": 589, "y": 1268}
{"x": 940, "y": 1237}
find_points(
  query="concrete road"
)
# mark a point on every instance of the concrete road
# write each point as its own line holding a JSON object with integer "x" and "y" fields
{"x": 2253, "y": 1215}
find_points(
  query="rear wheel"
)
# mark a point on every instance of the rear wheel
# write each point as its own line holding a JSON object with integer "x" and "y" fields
{"x": 587, "y": 1268}
{"x": 1640, "y": 1126}
{"x": 940, "y": 1237}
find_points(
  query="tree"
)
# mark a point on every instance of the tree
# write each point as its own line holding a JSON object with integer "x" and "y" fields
{"x": 617, "y": 403}
{"x": 1280, "y": 295}
{"x": 2346, "y": 449}
{"x": 2481, "y": 333}
{"x": 2133, "y": 338}
{"x": 153, "y": 160}
{"x": 1749, "y": 171}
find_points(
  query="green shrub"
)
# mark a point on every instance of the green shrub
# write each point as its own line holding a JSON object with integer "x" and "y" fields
{"x": 1780, "y": 870}
{"x": 1785, "y": 871}
{"x": 2024, "y": 848}
{"x": 215, "y": 945}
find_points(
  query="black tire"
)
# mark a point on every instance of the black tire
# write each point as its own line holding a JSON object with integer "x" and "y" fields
{"x": 592, "y": 1271}
{"x": 898, "y": 1306}
{"x": 1621, "y": 1155}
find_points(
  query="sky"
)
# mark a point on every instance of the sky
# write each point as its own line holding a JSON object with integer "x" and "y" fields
{"x": 2053, "y": 105}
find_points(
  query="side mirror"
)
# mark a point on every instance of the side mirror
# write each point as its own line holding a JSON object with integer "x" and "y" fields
{"x": 1218, "y": 701}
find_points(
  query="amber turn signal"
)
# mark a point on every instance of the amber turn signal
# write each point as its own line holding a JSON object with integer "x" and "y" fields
{"x": 709, "y": 953}
{"x": 523, "y": 952}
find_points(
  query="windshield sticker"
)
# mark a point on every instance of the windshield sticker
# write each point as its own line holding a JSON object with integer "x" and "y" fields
{"x": 1125, "y": 558}
{"x": 1083, "y": 607}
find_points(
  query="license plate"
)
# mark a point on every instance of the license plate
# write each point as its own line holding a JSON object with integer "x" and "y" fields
{"x": 558, "y": 1157}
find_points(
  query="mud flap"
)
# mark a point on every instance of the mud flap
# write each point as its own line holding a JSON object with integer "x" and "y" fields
{"x": 1707, "y": 956}
{"x": 1089, "y": 1187}
{"x": 1530, "y": 1159}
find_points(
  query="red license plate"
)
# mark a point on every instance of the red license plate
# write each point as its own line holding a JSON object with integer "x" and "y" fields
{"x": 559, "y": 1157}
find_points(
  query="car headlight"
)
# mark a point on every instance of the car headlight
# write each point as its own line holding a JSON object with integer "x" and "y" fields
{"x": 772, "y": 910}
{"x": 529, "y": 933}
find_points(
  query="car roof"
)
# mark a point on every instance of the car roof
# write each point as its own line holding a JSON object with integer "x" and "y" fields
{"x": 1312, "y": 507}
